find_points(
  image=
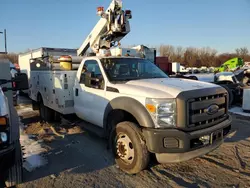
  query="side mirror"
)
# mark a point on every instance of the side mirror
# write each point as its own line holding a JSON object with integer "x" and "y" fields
{"x": 91, "y": 81}
{"x": 21, "y": 81}
{"x": 87, "y": 79}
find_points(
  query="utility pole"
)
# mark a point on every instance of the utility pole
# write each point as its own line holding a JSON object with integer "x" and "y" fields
{"x": 5, "y": 41}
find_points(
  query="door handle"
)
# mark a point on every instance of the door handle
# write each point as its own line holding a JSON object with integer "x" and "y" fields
{"x": 76, "y": 92}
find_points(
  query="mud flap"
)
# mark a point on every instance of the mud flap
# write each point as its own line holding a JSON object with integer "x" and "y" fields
{"x": 14, "y": 175}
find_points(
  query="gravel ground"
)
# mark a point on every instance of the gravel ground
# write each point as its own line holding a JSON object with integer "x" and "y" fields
{"x": 82, "y": 160}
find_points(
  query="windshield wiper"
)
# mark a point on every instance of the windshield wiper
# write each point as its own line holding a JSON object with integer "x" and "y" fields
{"x": 127, "y": 79}
{"x": 154, "y": 77}
{"x": 136, "y": 78}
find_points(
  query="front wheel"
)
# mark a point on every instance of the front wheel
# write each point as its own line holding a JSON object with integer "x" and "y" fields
{"x": 15, "y": 101}
{"x": 230, "y": 95}
{"x": 130, "y": 150}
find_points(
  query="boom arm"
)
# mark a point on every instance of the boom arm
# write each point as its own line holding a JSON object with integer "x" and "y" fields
{"x": 111, "y": 28}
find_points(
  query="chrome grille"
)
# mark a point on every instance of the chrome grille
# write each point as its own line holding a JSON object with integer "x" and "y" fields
{"x": 198, "y": 107}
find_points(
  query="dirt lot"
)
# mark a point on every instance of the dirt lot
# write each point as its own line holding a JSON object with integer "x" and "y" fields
{"x": 79, "y": 159}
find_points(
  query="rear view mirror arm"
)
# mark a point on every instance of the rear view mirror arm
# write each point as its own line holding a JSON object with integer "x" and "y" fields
{"x": 5, "y": 89}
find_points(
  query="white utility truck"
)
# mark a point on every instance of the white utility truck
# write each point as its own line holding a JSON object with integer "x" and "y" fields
{"x": 138, "y": 108}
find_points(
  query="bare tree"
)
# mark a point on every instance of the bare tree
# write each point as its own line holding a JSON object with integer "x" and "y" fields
{"x": 12, "y": 57}
{"x": 207, "y": 56}
{"x": 167, "y": 50}
{"x": 237, "y": 50}
{"x": 190, "y": 56}
{"x": 242, "y": 52}
{"x": 179, "y": 54}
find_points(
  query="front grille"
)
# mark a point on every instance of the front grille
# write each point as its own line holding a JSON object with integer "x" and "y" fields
{"x": 198, "y": 110}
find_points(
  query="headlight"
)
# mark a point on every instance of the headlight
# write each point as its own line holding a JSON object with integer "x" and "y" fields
{"x": 3, "y": 137}
{"x": 168, "y": 107}
{"x": 163, "y": 112}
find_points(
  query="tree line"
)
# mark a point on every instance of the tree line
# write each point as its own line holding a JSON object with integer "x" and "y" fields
{"x": 197, "y": 57}
{"x": 189, "y": 57}
{"x": 12, "y": 57}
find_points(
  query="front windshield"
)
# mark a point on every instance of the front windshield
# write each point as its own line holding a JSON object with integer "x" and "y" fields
{"x": 124, "y": 69}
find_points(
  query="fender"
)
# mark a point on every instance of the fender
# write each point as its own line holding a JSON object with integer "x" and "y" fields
{"x": 133, "y": 107}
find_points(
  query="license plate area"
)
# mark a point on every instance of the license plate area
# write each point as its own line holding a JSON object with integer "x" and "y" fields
{"x": 216, "y": 136}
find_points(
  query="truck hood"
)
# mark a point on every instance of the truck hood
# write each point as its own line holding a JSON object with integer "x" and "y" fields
{"x": 161, "y": 87}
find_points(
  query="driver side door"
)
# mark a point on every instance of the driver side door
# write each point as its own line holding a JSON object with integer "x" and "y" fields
{"x": 90, "y": 101}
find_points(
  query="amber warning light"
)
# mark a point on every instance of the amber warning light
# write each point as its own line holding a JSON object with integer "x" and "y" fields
{"x": 3, "y": 121}
{"x": 100, "y": 10}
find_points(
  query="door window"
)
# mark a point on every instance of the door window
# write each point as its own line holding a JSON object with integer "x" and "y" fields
{"x": 95, "y": 78}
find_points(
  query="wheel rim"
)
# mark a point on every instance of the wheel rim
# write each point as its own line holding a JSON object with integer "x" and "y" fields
{"x": 124, "y": 148}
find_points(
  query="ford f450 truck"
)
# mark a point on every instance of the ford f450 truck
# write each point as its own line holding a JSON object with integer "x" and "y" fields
{"x": 137, "y": 107}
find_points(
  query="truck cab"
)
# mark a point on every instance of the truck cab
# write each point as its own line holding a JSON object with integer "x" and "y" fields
{"x": 144, "y": 111}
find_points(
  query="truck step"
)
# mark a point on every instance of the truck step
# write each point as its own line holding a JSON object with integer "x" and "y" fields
{"x": 92, "y": 129}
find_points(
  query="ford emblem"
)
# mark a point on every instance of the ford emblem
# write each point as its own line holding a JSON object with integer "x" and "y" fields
{"x": 212, "y": 109}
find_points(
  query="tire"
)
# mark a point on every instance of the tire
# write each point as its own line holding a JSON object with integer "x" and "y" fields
{"x": 15, "y": 100}
{"x": 230, "y": 95}
{"x": 135, "y": 157}
{"x": 15, "y": 103}
{"x": 57, "y": 116}
{"x": 15, "y": 173}
{"x": 46, "y": 113}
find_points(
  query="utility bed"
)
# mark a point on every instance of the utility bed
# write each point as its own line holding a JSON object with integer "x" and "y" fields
{"x": 56, "y": 89}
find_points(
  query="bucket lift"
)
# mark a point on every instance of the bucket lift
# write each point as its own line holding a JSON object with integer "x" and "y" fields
{"x": 110, "y": 29}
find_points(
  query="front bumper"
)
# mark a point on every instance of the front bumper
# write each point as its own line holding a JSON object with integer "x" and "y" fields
{"x": 7, "y": 159}
{"x": 172, "y": 145}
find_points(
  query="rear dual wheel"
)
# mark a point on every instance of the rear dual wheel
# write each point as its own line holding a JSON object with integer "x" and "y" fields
{"x": 46, "y": 113}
